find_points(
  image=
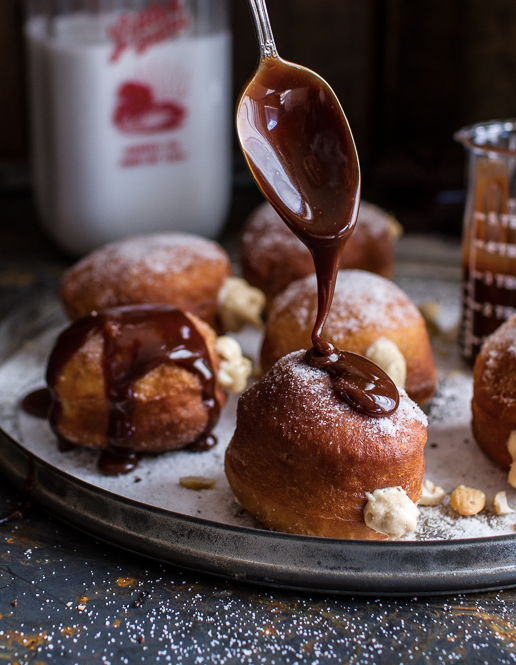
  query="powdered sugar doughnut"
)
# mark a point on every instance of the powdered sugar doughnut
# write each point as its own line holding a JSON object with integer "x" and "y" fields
{"x": 365, "y": 307}
{"x": 272, "y": 256}
{"x": 494, "y": 393}
{"x": 301, "y": 460}
{"x": 177, "y": 269}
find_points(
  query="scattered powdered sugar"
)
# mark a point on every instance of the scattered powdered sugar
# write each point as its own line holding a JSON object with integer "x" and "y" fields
{"x": 372, "y": 219}
{"x": 451, "y": 454}
{"x": 493, "y": 356}
{"x": 500, "y": 343}
{"x": 265, "y": 231}
{"x": 312, "y": 388}
{"x": 154, "y": 253}
{"x": 497, "y": 363}
{"x": 361, "y": 300}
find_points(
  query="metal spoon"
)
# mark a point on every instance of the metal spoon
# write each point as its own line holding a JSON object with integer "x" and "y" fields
{"x": 299, "y": 147}
{"x": 297, "y": 142}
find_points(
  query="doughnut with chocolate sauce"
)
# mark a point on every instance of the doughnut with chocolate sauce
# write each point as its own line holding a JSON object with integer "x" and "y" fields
{"x": 323, "y": 427}
{"x": 365, "y": 307}
{"x": 301, "y": 459}
{"x": 134, "y": 379}
{"x": 301, "y": 152}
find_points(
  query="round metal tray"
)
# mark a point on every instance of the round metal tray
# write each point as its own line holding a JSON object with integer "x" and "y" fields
{"x": 243, "y": 553}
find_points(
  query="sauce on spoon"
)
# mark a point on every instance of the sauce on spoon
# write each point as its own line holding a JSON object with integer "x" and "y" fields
{"x": 300, "y": 149}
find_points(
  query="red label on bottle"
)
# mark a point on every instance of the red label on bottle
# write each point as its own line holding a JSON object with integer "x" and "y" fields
{"x": 138, "y": 112}
{"x": 145, "y": 154}
{"x": 148, "y": 26}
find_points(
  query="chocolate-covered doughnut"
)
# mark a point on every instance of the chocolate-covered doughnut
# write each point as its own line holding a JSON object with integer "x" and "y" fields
{"x": 365, "y": 307}
{"x": 301, "y": 460}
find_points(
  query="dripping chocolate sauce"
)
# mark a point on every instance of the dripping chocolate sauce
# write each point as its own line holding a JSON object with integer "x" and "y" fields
{"x": 38, "y": 403}
{"x": 136, "y": 340}
{"x": 304, "y": 160}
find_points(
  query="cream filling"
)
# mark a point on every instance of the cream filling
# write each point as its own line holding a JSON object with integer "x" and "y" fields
{"x": 511, "y": 447}
{"x": 234, "y": 368}
{"x": 386, "y": 354}
{"x": 240, "y": 303}
{"x": 391, "y": 512}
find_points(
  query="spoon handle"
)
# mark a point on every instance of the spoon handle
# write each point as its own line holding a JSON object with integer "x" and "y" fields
{"x": 263, "y": 29}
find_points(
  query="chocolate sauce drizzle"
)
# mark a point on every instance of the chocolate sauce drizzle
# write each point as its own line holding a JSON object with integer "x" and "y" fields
{"x": 136, "y": 340}
{"x": 38, "y": 403}
{"x": 302, "y": 155}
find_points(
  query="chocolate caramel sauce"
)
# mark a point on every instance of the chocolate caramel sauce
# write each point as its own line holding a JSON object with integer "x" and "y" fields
{"x": 489, "y": 262}
{"x": 302, "y": 155}
{"x": 38, "y": 403}
{"x": 136, "y": 340}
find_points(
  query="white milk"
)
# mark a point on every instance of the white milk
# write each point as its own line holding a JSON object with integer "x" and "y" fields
{"x": 104, "y": 170}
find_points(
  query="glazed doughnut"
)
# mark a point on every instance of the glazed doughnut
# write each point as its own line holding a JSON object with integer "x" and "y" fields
{"x": 272, "y": 256}
{"x": 494, "y": 393}
{"x": 301, "y": 460}
{"x": 135, "y": 379}
{"x": 177, "y": 269}
{"x": 365, "y": 307}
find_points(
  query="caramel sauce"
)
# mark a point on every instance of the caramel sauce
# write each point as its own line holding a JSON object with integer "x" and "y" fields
{"x": 302, "y": 155}
{"x": 489, "y": 259}
{"x": 38, "y": 403}
{"x": 136, "y": 340}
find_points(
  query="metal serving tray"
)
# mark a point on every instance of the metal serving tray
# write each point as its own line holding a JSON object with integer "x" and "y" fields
{"x": 244, "y": 552}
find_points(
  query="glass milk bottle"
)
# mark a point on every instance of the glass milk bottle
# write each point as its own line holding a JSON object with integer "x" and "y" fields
{"x": 131, "y": 117}
{"x": 489, "y": 237}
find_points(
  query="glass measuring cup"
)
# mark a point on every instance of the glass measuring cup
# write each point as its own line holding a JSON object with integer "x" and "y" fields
{"x": 489, "y": 232}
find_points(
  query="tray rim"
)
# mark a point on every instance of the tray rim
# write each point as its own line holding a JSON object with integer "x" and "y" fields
{"x": 290, "y": 561}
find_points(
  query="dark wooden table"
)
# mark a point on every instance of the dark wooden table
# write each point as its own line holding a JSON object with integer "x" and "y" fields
{"x": 67, "y": 599}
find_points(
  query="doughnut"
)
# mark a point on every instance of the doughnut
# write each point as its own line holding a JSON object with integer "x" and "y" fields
{"x": 272, "y": 256}
{"x": 494, "y": 393}
{"x": 177, "y": 269}
{"x": 302, "y": 461}
{"x": 134, "y": 379}
{"x": 365, "y": 307}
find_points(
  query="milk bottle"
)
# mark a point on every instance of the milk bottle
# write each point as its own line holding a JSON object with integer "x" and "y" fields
{"x": 131, "y": 119}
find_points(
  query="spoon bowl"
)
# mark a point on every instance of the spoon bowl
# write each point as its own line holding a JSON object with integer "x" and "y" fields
{"x": 299, "y": 147}
{"x": 298, "y": 143}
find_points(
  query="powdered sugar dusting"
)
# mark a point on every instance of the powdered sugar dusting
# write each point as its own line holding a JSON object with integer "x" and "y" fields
{"x": 155, "y": 253}
{"x": 451, "y": 454}
{"x": 372, "y": 220}
{"x": 497, "y": 364}
{"x": 267, "y": 225}
{"x": 500, "y": 343}
{"x": 321, "y": 403}
{"x": 361, "y": 300}
{"x": 265, "y": 232}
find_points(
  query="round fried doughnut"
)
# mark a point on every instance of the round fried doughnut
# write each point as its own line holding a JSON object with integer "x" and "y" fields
{"x": 167, "y": 407}
{"x": 494, "y": 393}
{"x": 177, "y": 269}
{"x": 301, "y": 460}
{"x": 365, "y": 307}
{"x": 272, "y": 256}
